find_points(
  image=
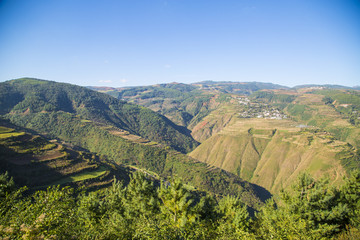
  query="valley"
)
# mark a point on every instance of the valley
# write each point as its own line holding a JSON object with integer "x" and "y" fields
{"x": 179, "y": 120}
{"x": 201, "y": 161}
{"x": 122, "y": 133}
{"x": 267, "y": 137}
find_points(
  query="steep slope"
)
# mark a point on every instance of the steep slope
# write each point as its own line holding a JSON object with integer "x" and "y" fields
{"x": 197, "y": 108}
{"x": 83, "y": 122}
{"x": 37, "y": 163}
{"x": 24, "y": 99}
{"x": 272, "y": 136}
{"x": 273, "y": 154}
{"x": 110, "y": 142}
{"x": 217, "y": 119}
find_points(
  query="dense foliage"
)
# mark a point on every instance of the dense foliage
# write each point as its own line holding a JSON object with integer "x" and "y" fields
{"x": 142, "y": 210}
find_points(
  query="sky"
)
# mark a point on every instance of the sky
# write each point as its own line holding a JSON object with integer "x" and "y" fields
{"x": 143, "y": 42}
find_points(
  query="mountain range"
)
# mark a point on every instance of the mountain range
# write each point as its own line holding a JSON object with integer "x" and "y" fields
{"x": 266, "y": 134}
{"x": 245, "y": 139}
{"x": 122, "y": 134}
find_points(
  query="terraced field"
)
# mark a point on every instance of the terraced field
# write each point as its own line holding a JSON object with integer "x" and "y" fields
{"x": 82, "y": 176}
{"x": 310, "y": 109}
{"x": 9, "y": 132}
{"x": 36, "y": 162}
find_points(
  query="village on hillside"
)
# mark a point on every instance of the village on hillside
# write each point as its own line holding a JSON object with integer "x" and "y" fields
{"x": 259, "y": 110}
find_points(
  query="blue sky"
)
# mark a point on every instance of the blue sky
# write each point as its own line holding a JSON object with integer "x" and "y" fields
{"x": 143, "y": 42}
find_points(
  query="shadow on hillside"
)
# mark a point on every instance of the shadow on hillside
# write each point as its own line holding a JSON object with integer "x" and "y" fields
{"x": 24, "y": 171}
{"x": 261, "y": 192}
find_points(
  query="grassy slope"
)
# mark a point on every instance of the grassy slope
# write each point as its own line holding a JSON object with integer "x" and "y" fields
{"x": 214, "y": 122}
{"x": 248, "y": 147}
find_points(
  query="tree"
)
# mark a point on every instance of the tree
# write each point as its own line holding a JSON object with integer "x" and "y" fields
{"x": 350, "y": 195}
{"x": 46, "y": 214}
{"x": 234, "y": 222}
{"x": 141, "y": 198}
{"x": 176, "y": 202}
{"x": 313, "y": 210}
{"x": 9, "y": 193}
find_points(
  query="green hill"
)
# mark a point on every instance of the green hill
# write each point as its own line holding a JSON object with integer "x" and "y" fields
{"x": 105, "y": 126}
{"x": 242, "y": 88}
{"x": 25, "y": 99}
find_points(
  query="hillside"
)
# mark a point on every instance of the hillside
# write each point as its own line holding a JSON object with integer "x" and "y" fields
{"x": 273, "y": 136}
{"x": 37, "y": 163}
{"x": 25, "y": 99}
{"x": 336, "y": 111}
{"x": 181, "y": 103}
{"x": 185, "y": 104}
{"x": 267, "y": 138}
{"x": 321, "y": 123}
{"x": 272, "y": 154}
{"x": 94, "y": 129}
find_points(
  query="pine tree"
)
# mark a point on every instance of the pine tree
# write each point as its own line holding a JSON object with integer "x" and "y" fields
{"x": 141, "y": 198}
{"x": 177, "y": 203}
{"x": 234, "y": 222}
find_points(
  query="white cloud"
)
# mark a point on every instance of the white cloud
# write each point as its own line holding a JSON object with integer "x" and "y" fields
{"x": 124, "y": 80}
